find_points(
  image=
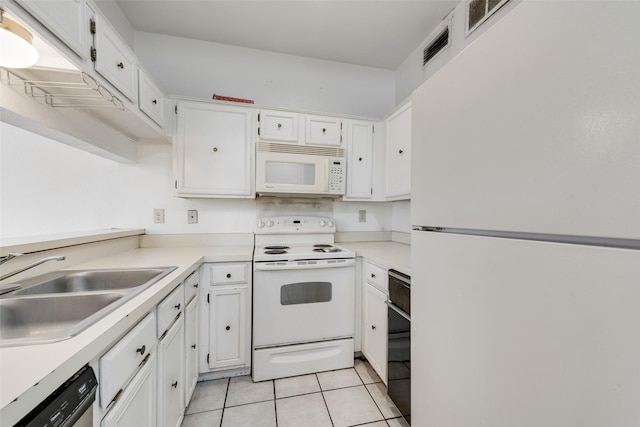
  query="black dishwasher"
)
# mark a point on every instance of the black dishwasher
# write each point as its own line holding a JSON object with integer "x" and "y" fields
{"x": 399, "y": 342}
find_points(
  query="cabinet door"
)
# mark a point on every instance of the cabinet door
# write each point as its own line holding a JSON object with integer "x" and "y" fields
{"x": 398, "y": 165}
{"x": 64, "y": 18}
{"x": 228, "y": 320}
{"x": 360, "y": 164}
{"x": 150, "y": 98}
{"x": 115, "y": 61}
{"x": 321, "y": 130}
{"x": 213, "y": 150}
{"x": 374, "y": 345}
{"x": 136, "y": 406}
{"x": 277, "y": 126}
{"x": 171, "y": 377}
{"x": 191, "y": 348}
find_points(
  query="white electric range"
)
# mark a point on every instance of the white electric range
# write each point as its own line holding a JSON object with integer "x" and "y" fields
{"x": 303, "y": 298}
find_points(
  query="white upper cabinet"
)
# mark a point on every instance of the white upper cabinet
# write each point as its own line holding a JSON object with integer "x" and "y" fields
{"x": 114, "y": 60}
{"x": 213, "y": 150}
{"x": 398, "y": 154}
{"x": 360, "y": 160}
{"x": 150, "y": 98}
{"x": 277, "y": 126}
{"x": 320, "y": 130}
{"x": 66, "y": 19}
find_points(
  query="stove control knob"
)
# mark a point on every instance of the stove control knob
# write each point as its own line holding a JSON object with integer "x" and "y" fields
{"x": 269, "y": 223}
{"x": 322, "y": 223}
{"x": 260, "y": 224}
{"x": 330, "y": 223}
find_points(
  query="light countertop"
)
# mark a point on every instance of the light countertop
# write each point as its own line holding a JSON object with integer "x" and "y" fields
{"x": 30, "y": 373}
{"x": 392, "y": 255}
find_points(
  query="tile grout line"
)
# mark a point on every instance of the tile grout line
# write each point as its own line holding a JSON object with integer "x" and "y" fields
{"x": 224, "y": 404}
{"x": 324, "y": 400}
{"x": 275, "y": 407}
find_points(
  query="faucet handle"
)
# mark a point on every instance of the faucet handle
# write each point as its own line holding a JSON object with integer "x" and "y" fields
{"x": 9, "y": 257}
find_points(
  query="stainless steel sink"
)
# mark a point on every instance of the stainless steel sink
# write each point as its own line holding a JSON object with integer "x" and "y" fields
{"x": 50, "y": 318}
{"x": 56, "y": 306}
{"x": 90, "y": 280}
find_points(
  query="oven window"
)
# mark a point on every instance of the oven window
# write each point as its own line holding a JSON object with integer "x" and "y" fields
{"x": 305, "y": 293}
{"x": 290, "y": 173}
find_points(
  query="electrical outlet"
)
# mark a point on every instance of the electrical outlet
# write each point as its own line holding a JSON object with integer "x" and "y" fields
{"x": 362, "y": 215}
{"x": 158, "y": 216}
{"x": 192, "y": 216}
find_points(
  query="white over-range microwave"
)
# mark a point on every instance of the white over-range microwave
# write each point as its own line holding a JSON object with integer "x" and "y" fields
{"x": 299, "y": 169}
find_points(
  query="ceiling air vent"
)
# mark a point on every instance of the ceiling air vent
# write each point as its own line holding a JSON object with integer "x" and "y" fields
{"x": 440, "y": 42}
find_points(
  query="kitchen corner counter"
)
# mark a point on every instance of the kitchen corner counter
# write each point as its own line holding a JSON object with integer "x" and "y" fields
{"x": 30, "y": 373}
{"x": 392, "y": 255}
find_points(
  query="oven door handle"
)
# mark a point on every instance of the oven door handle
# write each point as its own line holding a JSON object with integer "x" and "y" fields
{"x": 393, "y": 307}
{"x": 302, "y": 265}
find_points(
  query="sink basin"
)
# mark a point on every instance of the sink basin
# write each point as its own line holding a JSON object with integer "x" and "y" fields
{"x": 56, "y": 306}
{"x": 91, "y": 280}
{"x": 50, "y": 318}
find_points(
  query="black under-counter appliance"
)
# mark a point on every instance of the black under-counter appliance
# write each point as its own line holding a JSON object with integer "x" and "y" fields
{"x": 399, "y": 342}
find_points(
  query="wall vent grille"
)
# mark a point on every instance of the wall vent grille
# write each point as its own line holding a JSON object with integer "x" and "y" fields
{"x": 440, "y": 42}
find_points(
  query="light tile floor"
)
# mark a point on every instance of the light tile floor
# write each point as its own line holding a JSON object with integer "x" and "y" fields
{"x": 343, "y": 398}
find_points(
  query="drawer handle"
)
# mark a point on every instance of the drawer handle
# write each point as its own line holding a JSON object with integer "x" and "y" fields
{"x": 193, "y": 346}
{"x": 228, "y": 275}
{"x": 373, "y": 327}
{"x": 121, "y": 66}
{"x": 175, "y": 385}
{"x": 228, "y": 327}
{"x": 177, "y": 306}
{"x": 155, "y": 101}
{"x": 141, "y": 350}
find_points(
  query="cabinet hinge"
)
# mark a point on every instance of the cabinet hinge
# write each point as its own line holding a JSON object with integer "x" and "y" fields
{"x": 258, "y": 131}
{"x": 207, "y": 358}
{"x": 372, "y": 191}
{"x": 117, "y": 396}
{"x": 207, "y": 298}
{"x": 92, "y": 26}
{"x": 93, "y": 54}
{"x": 176, "y": 109}
{"x": 176, "y": 184}
{"x": 145, "y": 360}
{"x": 258, "y": 117}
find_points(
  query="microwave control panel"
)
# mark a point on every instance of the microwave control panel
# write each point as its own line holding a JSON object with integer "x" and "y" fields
{"x": 336, "y": 176}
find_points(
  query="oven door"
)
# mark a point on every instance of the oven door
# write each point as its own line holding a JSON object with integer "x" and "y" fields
{"x": 300, "y": 303}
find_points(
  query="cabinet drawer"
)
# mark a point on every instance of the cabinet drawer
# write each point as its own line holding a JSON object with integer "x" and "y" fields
{"x": 278, "y": 126}
{"x": 150, "y": 99}
{"x": 121, "y": 362}
{"x": 228, "y": 274}
{"x": 169, "y": 309}
{"x": 191, "y": 285}
{"x": 323, "y": 130}
{"x": 376, "y": 276}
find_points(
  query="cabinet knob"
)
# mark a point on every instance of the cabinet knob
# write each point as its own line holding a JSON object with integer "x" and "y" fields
{"x": 196, "y": 285}
{"x": 121, "y": 66}
{"x": 324, "y": 130}
{"x": 193, "y": 346}
{"x": 373, "y": 327}
{"x": 141, "y": 350}
{"x": 175, "y": 384}
{"x": 228, "y": 327}
{"x": 228, "y": 275}
{"x": 215, "y": 149}
{"x": 400, "y": 151}
{"x": 373, "y": 275}
{"x": 279, "y": 125}
{"x": 359, "y": 159}
{"x": 177, "y": 306}
{"x": 155, "y": 101}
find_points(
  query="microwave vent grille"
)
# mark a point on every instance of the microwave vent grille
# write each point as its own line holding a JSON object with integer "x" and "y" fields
{"x": 271, "y": 147}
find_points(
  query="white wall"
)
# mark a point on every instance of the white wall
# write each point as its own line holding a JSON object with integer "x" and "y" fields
{"x": 198, "y": 69}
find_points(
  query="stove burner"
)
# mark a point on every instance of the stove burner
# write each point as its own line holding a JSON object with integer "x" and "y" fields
{"x": 275, "y": 251}
{"x": 326, "y": 250}
{"x": 322, "y": 245}
{"x": 277, "y": 247}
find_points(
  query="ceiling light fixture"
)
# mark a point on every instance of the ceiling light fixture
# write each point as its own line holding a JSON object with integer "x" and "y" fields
{"x": 16, "y": 50}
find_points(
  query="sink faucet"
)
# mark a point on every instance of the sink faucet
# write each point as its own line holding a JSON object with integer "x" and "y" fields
{"x": 35, "y": 264}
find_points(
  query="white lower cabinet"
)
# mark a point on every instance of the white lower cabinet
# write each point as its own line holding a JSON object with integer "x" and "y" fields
{"x": 136, "y": 406}
{"x": 170, "y": 377}
{"x": 374, "y": 334}
{"x": 225, "y": 335}
{"x": 191, "y": 348}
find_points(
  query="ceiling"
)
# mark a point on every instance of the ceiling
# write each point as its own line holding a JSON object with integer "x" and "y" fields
{"x": 374, "y": 33}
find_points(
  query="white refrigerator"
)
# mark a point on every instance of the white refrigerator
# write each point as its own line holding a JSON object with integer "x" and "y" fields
{"x": 526, "y": 216}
